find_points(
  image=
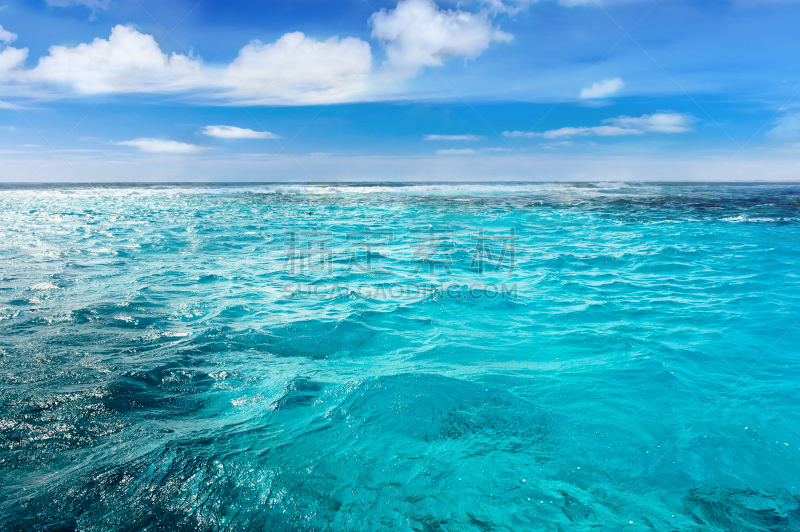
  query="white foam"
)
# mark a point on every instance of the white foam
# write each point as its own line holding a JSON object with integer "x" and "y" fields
{"x": 47, "y": 285}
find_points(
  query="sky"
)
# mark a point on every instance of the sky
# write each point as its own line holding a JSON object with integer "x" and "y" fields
{"x": 415, "y": 90}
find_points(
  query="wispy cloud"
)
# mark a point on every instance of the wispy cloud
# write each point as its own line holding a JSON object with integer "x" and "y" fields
{"x": 557, "y": 144}
{"x": 513, "y": 7}
{"x": 663, "y": 122}
{"x": 787, "y": 128}
{"x": 162, "y": 146}
{"x": 94, "y": 5}
{"x": 466, "y": 151}
{"x": 521, "y": 134}
{"x": 602, "y": 89}
{"x": 233, "y": 132}
{"x": 91, "y": 4}
{"x": 453, "y": 137}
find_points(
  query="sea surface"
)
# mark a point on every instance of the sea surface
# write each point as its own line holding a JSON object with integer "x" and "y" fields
{"x": 606, "y": 356}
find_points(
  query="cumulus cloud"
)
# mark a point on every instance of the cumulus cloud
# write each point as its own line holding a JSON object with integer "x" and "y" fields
{"x": 300, "y": 69}
{"x": 233, "y": 132}
{"x": 453, "y": 137}
{"x": 128, "y": 61}
{"x": 293, "y": 70}
{"x": 10, "y": 58}
{"x": 417, "y": 34}
{"x": 6, "y": 37}
{"x": 467, "y": 151}
{"x": 162, "y": 146}
{"x": 662, "y": 122}
{"x": 602, "y": 89}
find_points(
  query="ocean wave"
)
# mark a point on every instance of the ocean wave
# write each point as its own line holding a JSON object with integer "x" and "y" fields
{"x": 156, "y": 373}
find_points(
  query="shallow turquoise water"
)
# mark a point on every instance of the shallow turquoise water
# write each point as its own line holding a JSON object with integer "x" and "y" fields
{"x": 290, "y": 357}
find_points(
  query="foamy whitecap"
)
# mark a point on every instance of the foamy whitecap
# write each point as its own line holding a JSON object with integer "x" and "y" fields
{"x": 46, "y": 285}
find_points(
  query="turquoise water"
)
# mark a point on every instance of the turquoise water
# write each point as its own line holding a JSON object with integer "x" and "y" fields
{"x": 424, "y": 357}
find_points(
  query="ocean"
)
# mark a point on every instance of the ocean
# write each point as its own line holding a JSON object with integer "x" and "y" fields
{"x": 427, "y": 357}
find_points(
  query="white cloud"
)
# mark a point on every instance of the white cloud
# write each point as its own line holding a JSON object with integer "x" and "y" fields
{"x": 233, "y": 132}
{"x": 6, "y": 36}
{"x": 566, "y": 132}
{"x": 10, "y": 58}
{"x": 602, "y": 131}
{"x": 300, "y": 69}
{"x": 128, "y": 61}
{"x": 603, "y": 89}
{"x": 162, "y": 146}
{"x": 787, "y": 129}
{"x": 417, "y": 34}
{"x": 513, "y": 7}
{"x": 467, "y": 151}
{"x": 294, "y": 70}
{"x": 91, "y": 4}
{"x": 453, "y": 137}
{"x": 6, "y": 105}
{"x": 520, "y": 134}
{"x": 662, "y": 122}
{"x": 94, "y": 5}
{"x": 557, "y": 145}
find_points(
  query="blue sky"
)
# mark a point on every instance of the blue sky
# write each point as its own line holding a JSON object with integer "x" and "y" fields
{"x": 416, "y": 90}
